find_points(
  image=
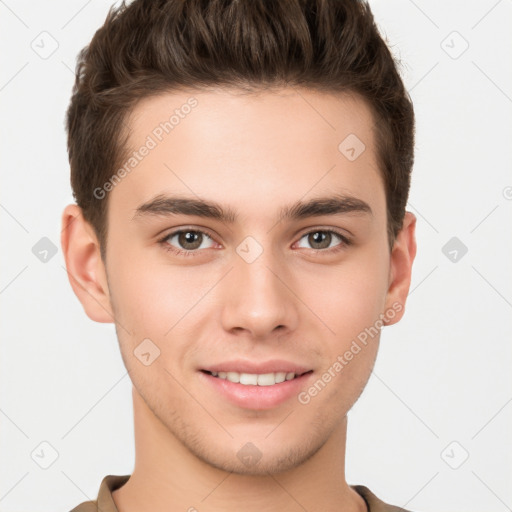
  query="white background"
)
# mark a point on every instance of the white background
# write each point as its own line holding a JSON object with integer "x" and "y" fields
{"x": 443, "y": 373}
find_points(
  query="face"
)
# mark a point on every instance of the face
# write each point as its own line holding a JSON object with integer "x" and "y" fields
{"x": 281, "y": 284}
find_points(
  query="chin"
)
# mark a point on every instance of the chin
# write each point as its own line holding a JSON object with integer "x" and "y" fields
{"x": 260, "y": 455}
{"x": 251, "y": 461}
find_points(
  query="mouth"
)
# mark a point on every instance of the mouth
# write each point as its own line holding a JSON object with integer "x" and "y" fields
{"x": 255, "y": 385}
{"x": 256, "y": 379}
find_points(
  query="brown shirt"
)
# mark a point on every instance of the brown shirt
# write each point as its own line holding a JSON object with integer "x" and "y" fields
{"x": 105, "y": 503}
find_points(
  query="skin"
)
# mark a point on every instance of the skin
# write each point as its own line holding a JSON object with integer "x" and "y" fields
{"x": 297, "y": 301}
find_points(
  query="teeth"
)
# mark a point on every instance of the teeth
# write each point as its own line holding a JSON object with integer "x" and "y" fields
{"x": 249, "y": 378}
{"x": 280, "y": 377}
{"x": 266, "y": 379}
{"x": 253, "y": 379}
{"x": 233, "y": 376}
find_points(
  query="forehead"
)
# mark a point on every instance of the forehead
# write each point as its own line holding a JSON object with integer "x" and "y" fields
{"x": 244, "y": 148}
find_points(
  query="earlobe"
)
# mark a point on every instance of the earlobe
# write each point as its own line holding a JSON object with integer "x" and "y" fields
{"x": 402, "y": 257}
{"x": 85, "y": 268}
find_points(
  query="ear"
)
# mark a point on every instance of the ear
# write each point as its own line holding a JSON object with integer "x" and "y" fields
{"x": 85, "y": 268}
{"x": 400, "y": 268}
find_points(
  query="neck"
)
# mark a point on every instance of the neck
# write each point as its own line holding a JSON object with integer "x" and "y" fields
{"x": 167, "y": 476}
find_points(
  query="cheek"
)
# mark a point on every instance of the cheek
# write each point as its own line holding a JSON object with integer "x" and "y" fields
{"x": 154, "y": 298}
{"x": 350, "y": 297}
{"x": 156, "y": 303}
{"x": 349, "y": 306}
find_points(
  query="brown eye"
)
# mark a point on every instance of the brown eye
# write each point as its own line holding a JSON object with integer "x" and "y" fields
{"x": 320, "y": 239}
{"x": 187, "y": 241}
{"x": 190, "y": 240}
{"x": 325, "y": 240}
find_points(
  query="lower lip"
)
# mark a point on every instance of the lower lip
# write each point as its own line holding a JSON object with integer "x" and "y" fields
{"x": 257, "y": 397}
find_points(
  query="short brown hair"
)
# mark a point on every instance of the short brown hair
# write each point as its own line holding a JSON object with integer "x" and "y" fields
{"x": 153, "y": 46}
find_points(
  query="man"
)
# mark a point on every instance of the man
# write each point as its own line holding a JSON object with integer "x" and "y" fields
{"x": 241, "y": 171}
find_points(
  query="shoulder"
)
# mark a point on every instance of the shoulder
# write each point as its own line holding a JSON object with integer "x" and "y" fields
{"x": 104, "y": 501}
{"x": 86, "y": 506}
{"x": 373, "y": 503}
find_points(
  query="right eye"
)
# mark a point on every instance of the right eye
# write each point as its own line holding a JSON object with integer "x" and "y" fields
{"x": 188, "y": 241}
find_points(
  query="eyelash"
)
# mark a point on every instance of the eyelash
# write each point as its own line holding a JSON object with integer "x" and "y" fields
{"x": 191, "y": 253}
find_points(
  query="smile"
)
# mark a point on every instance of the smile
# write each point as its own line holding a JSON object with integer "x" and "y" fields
{"x": 256, "y": 379}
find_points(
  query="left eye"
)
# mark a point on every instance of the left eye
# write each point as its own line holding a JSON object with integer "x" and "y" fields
{"x": 321, "y": 239}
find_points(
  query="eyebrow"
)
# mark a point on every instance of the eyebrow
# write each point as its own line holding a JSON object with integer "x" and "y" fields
{"x": 162, "y": 205}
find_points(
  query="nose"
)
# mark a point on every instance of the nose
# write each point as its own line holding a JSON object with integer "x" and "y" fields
{"x": 259, "y": 298}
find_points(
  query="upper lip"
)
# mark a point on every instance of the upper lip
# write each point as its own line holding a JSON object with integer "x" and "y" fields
{"x": 243, "y": 366}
